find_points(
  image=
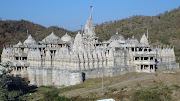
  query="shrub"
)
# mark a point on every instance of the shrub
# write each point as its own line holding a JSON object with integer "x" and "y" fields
{"x": 165, "y": 41}
{"x": 53, "y": 96}
{"x": 176, "y": 86}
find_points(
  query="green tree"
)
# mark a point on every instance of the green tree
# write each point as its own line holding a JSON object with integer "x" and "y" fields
{"x": 5, "y": 93}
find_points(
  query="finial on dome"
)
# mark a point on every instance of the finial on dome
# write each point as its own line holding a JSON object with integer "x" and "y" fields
{"x": 66, "y": 33}
{"x": 78, "y": 32}
{"x": 82, "y": 29}
{"x": 91, "y": 12}
{"x": 30, "y": 36}
{"x": 19, "y": 43}
{"x": 27, "y": 33}
{"x": 133, "y": 36}
{"x": 117, "y": 32}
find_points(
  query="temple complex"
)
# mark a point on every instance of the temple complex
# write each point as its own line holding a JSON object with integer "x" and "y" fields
{"x": 66, "y": 61}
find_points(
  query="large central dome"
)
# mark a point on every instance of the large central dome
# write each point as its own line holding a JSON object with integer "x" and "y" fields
{"x": 30, "y": 41}
{"x": 52, "y": 39}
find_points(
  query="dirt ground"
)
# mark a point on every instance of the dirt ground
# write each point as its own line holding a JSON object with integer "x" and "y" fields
{"x": 121, "y": 88}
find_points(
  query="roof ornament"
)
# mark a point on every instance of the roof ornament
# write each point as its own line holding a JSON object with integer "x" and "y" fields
{"x": 117, "y": 32}
{"x": 91, "y": 12}
{"x": 27, "y": 33}
{"x": 52, "y": 33}
{"x": 82, "y": 29}
{"x": 133, "y": 36}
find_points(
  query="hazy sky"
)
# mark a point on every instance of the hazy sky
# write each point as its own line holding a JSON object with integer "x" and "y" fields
{"x": 71, "y": 14}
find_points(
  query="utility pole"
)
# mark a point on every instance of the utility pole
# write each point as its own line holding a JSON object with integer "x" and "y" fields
{"x": 102, "y": 79}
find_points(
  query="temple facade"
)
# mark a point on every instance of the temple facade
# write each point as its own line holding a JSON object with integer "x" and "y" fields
{"x": 68, "y": 61}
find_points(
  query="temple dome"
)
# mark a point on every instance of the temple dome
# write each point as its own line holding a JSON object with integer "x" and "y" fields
{"x": 89, "y": 28}
{"x": 117, "y": 36}
{"x": 132, "y": 41}
{"x": 19, "y": 43}
{"x": 30, "y": 41}
{"x": 66, "y": 38}
{"x": 52, "y": 39}
{"x": 144, "y": 40}
{"x": 114, "y": 44}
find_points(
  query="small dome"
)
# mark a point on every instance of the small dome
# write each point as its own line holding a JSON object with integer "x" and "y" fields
{"x": 52, "y": 38}
{"x": 30, "y": 41}
{"x": 117, "y": 36}
{"x": 144, "y": 40}
{"x": 132, "y": 41}
{"x": 19, "y": 43}
{"x": 114, "y": 44}
{"x": 66, "y": 38}
{"x": 7, "y": 52}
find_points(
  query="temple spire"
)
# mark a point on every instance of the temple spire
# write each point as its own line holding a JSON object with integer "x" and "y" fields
{"x": 147, "y": 33}
{"x": 82, "y": 29}
{"x": 91, "y": 12}
{"x": 27, "y": 33}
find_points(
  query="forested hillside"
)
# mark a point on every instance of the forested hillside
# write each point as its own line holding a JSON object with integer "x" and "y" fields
{"x": 163, "y": 29}
{"x": 12, "y": 31}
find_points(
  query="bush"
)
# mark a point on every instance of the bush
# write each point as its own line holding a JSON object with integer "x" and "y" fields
{"x": 176, "y": 86}
{"x": 53, "y": 96}
{"x": 165, "y": 41}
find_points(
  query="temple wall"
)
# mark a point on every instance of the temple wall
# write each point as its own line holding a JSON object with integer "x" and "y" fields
{"x": 48, "y": 76}
{"x": 162, "y": 66}
{"x": 62, "y": 77}
{"x": 106, "y": 72}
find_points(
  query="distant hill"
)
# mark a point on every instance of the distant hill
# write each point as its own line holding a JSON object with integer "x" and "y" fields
{"x": 12, "y": 31}
{"x": 163, "y": 28}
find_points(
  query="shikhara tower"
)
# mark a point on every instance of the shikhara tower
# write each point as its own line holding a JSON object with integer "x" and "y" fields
{"x": 89, "y": 36}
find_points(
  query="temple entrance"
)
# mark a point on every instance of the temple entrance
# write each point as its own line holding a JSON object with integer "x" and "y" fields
{"x": 83, "y": 76}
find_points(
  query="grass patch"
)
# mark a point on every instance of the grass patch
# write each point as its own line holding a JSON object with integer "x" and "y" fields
{"x": 70, "y": 88}
{"x": 175, "y": 86}
{"x": 152, "y": 94}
